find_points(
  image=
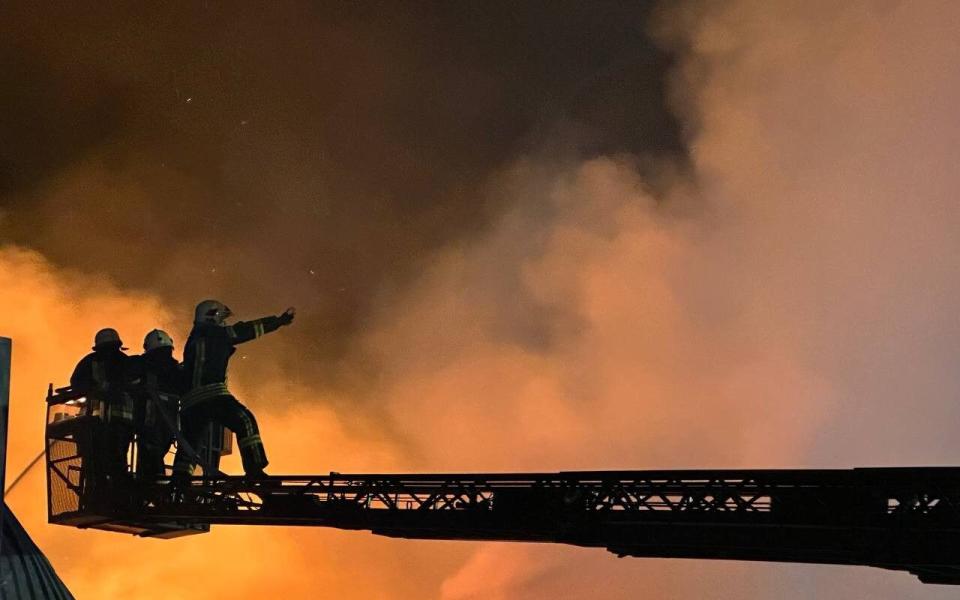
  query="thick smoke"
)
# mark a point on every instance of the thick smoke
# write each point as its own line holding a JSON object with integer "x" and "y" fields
{"x": 572, "y": 336}
{"x": 786, "y": 299}
{"x": 792, "y": 306}
{"x": 316, "y": 152}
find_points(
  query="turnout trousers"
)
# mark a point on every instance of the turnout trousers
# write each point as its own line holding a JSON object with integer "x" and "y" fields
{"x": 113, "y": 440}
{"x": 225, "y": 411}
{"x": 111, "y": 445}
{"x": 156, "y": 432}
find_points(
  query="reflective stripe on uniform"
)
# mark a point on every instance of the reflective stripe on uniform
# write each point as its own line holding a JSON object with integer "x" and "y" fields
{"x": 258, "y": 328}
{"x": 203, "y": 392}
{"x": 252, "y": 440}
{"x": 119, "y": 411}
{"x": 249, "y": 428}
{"x": 201, "y": 355}
{"x": 183, "y": 465}
{"x": 96, "y": 368}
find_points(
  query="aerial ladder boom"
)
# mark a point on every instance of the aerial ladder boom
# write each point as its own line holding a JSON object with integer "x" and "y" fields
{"x": 894, "y": 518}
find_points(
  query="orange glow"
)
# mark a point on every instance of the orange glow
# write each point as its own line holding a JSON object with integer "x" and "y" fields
{"x": 791, "y": 304}
{"x": 51, "y": 317}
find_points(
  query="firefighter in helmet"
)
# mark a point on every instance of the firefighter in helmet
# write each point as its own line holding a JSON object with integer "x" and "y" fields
{"x": 103, "y": 375}
{"x": 161, "y": 385}
{"x": 208, "y": 350}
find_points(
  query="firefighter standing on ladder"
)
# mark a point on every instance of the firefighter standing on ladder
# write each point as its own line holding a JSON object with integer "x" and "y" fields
{"x": 206, "y": 354}
{"x": 104, "y": 374}
{"x": 161, "y": 385}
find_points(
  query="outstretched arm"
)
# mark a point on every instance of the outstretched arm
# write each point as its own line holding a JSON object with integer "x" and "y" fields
{"x": 245, "y": 331}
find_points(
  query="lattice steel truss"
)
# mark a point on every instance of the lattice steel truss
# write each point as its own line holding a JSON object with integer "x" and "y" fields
{"x": 874, "y": 494}
{"x": 903, "y": 518}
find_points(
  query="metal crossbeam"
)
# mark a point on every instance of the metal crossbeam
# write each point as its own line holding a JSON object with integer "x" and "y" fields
{"x": 872, "y": 493}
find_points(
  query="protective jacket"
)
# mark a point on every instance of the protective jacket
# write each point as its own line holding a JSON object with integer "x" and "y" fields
{"x": 104, "y": 374}
{"x": 162, "y": 369}
{"x": 208, "y": 351}
{"x": 100, "y": 370}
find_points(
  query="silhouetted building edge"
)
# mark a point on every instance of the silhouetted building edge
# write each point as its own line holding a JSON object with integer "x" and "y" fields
{"x": 25, "y": 573}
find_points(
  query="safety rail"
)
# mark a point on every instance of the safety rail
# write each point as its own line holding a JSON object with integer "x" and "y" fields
{"x": 80, "y": 492}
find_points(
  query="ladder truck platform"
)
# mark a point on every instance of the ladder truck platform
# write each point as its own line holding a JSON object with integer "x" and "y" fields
{"x": 903, "y": 518}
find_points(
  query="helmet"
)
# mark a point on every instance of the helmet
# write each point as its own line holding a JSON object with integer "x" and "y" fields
{"x": 211, "y": 311}
{"x": 106, "y": 338}
{"x": 157, "y": 339}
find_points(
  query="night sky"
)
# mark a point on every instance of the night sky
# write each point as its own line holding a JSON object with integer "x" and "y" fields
{"x": 308, "y": 153}
{"x": 520, "y": 236}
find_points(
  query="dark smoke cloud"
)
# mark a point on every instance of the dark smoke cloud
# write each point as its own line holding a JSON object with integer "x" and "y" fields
{"x": 301, "y": 153}
{"x": 790, "y": 301}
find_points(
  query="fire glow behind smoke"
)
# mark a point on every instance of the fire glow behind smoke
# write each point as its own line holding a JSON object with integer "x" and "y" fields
{"x": 49, "y": 315}
{"x": 790, "y": 304}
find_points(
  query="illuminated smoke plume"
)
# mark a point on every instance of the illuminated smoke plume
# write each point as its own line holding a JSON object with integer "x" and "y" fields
{"x": 787, "y": 299}
{"x": 795, "y": 305}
